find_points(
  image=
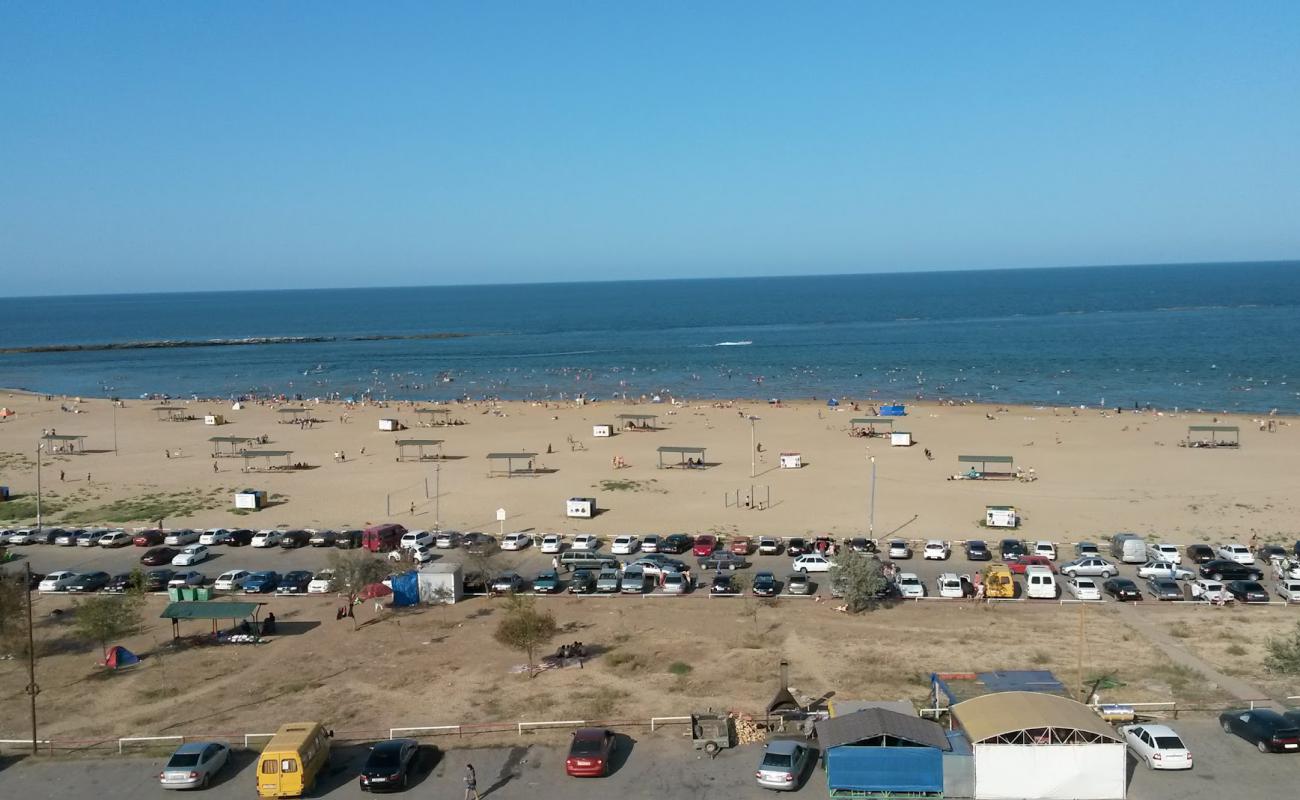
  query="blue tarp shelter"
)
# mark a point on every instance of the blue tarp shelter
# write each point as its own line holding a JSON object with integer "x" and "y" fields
{"x": 882, "y": 753}
{"x": 893, "y": 411}
{"x": 406, "y": 589}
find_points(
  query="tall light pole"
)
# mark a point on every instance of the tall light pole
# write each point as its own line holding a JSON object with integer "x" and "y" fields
{"x": 114, "y": 405}
{"x": 871, "y": 514}
{"x": 753, "y": 447}
{"x": 32, "y": 688}
{"x": 40, "y": 448}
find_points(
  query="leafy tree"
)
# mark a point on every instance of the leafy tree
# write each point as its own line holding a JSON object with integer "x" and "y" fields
{"x": 103, "y": 618}
{"x": 481, "y": 566}
{"x": 353, "y": 572}
{"x": 1284, "y": 653}
{"x": 13, "y": 612}
{"x": 860, "y": 577}
{"x": 525, "y": 628}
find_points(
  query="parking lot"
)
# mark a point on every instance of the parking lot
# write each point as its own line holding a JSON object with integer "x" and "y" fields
{"x": 650, "y": 766}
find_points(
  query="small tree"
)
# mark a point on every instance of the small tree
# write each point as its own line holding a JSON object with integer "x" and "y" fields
{"x": 1284, "y": 653}
{"x": 482, "y": 564}
{"x": 13, "y": 612}
{"x": 353, "y": 572}
{"x": 860, "y": 578}
{"x": 103, "y": 618}
{"x": 525, "y": 628}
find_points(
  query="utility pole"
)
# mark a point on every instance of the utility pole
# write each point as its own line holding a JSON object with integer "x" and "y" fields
{"x": 871, "y": 514}
{"x": 114, "y": 403}
{"x": 32, "y": 688}
{"x": 753, "y": 447}
{"x": 40, "y": 448}
{"x": 437, "y": 494}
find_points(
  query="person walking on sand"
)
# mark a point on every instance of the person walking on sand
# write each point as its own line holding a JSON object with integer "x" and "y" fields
{"x": 555, "y": 563}
{"x": 60, "y": 476}
{"x": 471, "y": 782}
{"x": 412, "y": 508}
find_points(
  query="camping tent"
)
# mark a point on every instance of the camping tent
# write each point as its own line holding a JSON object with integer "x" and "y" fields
{"x": 119, "y": 657}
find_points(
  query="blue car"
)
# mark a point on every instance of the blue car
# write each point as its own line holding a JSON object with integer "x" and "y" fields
{"x": 261, "y": 582}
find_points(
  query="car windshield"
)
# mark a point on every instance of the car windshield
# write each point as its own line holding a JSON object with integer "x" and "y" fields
{"x": 586, "y": 747}
{"x": 183, "y": 760}
{"x": 1169, "y": 743}
{"x": 384, "y": 757}
{"x": 780, "y": 760}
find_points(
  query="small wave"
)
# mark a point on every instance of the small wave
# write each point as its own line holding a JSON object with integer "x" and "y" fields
{"x": 741, "y": 343}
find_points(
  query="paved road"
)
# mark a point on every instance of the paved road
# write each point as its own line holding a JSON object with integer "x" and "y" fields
{"x": 657, "y": 768}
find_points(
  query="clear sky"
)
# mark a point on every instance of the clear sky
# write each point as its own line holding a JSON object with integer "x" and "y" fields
{"x": 178, "y": 146}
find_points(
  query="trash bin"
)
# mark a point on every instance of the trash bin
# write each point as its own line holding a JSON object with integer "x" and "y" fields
{"x": 187, "y": 593}
{"x": 202, "y": 593}
{"x": 173, "y": 593}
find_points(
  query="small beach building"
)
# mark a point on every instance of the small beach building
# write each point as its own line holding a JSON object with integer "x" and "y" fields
{"x": 214, "y": 419}
{"x": 250, "y": 499}
{"x": 791, "y": 461}
{"x": 389, "y": 424}
{"x": 602, "y": 431}
{"x": 900, "y": 439}
{"x": 1001, "y": 517}
{"x": 580, "y": 507}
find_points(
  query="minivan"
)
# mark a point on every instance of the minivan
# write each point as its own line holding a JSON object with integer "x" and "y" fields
{"x": 1128, "y": 548}
{"x": 293, "y": 759}
{"x": 382, "y": 538}
{"x": 579, "y": 559}
{"x": 1040, "y": 582}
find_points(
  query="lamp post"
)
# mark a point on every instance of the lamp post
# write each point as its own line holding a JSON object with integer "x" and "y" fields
{"x": 871, "y": 514}
{"x": 32, "y": 689}
{"x": 113, "y": 402}
{"x": 753, "y": 447}
{"x": 40, "y": 448}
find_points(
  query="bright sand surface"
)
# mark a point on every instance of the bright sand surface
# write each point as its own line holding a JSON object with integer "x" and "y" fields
{"x": 1098, "y": 472}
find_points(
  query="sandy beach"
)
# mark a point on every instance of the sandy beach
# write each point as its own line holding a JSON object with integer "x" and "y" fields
{"x": 1097, "y": 471}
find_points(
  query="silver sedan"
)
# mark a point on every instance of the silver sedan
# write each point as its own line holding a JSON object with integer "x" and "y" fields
{"x": 194, "y": 765}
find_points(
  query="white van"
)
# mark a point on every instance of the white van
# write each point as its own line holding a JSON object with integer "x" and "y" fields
{"x": 1128, "y": 548}
{"x": 1040, "y": 582}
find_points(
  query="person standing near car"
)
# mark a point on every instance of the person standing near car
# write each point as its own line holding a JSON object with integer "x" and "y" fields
{"x": 471, "y": 782}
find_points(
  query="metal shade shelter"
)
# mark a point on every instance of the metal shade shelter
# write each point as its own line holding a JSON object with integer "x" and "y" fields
{"x": 418, "y": 445}
{"x": 871, "y": 421}
{"x": 510, "y": 459}
{"x": 210, "y": 610}
{"x": 294, "y": 413}
{"x": 65, "y": 443}
{"x": 435, "y": 416}
{"x": 682, "y": 453}
{"x": 268, "y": 455}
{"x": 638, "y": 422}
{"x": 172, "y": 413}
{"x": 233, "y": 441}
{"x": 984, "y": 461}
{"x": 1214, "y": 440}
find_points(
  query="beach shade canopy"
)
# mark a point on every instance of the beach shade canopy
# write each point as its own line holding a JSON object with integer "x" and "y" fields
{"x": 871, "y": 421}
{"x": 66, "y": 442}
{"x": 510, "y": 459}
{"x": 984, "y": 461}
{"x": 233, "y": 441}
{"x": 213, "y": 610}
{"x": 119, "y": 657}
{"x": 639, "y": 422}
{"x": 374, "y": 590}
{"x": 419, "y": 445}
{"x": 682, "y": 453}
{"x": 169, "y": 413}
{"x": 249, "y": 455}
{"x": 291, "y": 410}
{"x": 1219, "y": 434}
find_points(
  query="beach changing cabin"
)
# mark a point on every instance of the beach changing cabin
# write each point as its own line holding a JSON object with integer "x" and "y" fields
{"x": 791, "y": 461}
{"x": 250, "y": 499}
{"x": 1001, "y": 517}
{"x": 387, "y": 424}
{"x": 900, "y": 439}
{"x": 581, "y": 507}
{"x": 602, "y": 431}
{"x": 213, "y": 419}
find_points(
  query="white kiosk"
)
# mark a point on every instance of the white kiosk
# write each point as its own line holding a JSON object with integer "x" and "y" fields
{"x": 581, "y": 507}
{"x": 602, "y": 431}
{"x": 791, "y": 461}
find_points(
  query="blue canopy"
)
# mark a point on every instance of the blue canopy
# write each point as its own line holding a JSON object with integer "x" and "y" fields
{"x": 406, "y": 589}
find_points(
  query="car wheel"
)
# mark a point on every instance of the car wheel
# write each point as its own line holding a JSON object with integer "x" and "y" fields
{"x": 1263, "y": 748}
{"x": 804, "y": 570}
{"x": 203, "y": 784}
{"x": 1150, "y": 764}
{"x": 1226, "y": 727}
{"x": 1218, "y": 576}
{"x": 1106, "y": 574}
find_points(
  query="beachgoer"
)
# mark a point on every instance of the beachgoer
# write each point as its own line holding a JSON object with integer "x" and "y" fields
{"x": 167, "y": 453}
{"x": 60, "y": 475}
{"x": 471, "y": 782}
{"x": 412, "y": 507}
{"x": 555, "y": 563}
{"x": 214, "y": 466}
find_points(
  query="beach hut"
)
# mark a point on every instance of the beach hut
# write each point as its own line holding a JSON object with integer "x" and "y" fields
{"x": 388, "y": 424}
{"x": 580, "y": 507}
{"x": 213, "y": 419}
{"x": 602, "y": 431}
{"x": 250, "y": 499}
{"x": 791, "y": 461}
{"x": 900, "y": 439}
{"x": 441, "y": 583}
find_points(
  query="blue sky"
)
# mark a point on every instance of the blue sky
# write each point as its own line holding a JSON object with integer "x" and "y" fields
{"x": 186, "y": 146}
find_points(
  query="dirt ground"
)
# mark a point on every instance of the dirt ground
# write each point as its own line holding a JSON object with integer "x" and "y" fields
{"x": 653, "y": 657}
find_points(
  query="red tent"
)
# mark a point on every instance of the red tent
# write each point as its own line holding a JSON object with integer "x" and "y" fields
{"x": 375, "y": 590}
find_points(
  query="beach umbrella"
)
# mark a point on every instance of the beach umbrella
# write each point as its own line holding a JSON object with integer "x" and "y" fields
{"x": 375, "y": 590}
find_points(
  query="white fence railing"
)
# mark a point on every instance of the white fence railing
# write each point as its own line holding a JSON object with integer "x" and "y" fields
{"x": 661, "y": 721}
{"x": 419, "y": 729}
{"x": 567, "y": 723}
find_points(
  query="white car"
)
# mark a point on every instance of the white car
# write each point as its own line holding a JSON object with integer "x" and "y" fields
{"x": 1157, "y": 746}
{"x": 1211, "y": 591}
{"x": 414, "y": 539}
{"x": 57, "y": 581}
{"x": 1289, "y": 591}
{"x": 6, "y": 535}
{"x": 266, "y": 539}
{"x": 1166, "y": 552}
{"x": 115, "y": 539}
{"x": 899, "y": 549}
{"x": 552, "y": 543}
{"x": 950, "y": 585}
{"x": 1292, "y": 572}
{"x": 194, "y": 554}
{"x": 1235, "y": 552}
{"x": 769, "y": 546}
{"x": 320, "y": 582}
{"x": 421, "y": 553}
{"x": 231, "y": 580}
{"x": 625, "y": 545}
{"x": 1083, "y": 588}
{"x": 650, "y": 544}
{"x": 1046, "y": 549}
{"x": 516, "y": 541}
{"x": 23, "y": 536}
{"x": 181, "y": 538}
{"x": 446, "y": 540}
{"x": 909, "y": 585}
{"x": 214, "y": 536}
{"x": 936, "y": 550}
{"x": 1164, "y": 569}
{"x": 585, "y": 541}
{"x": 811, "y": 562}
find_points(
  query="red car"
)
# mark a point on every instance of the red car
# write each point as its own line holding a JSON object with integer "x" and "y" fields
{"x": 740, "y": 545}
{"x": 147, "y": 538}
{"x": 705, "y": 544}
{"x": 589, "y": 753}
{"x": 1018, "y": 566}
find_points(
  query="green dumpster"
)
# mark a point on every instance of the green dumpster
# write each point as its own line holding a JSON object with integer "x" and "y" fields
{"x": 173, "y": 593}
{"x": 202, "y": 593}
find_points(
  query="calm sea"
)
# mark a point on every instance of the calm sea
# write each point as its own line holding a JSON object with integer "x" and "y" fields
{"x": 1213, "y": 336}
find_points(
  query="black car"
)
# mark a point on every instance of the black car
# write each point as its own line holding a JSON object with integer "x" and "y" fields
{"x": 389, "y": 765}
{"x": 676, "y": 543}
{"x": 1247, "y": 591}
{"x": 323, "y": 539}
{"x": 977, "y": 550}
{"x": 89, "y": 582}
{"x": 582, "y": 581}
{"x": 478, "y": 543}
{"x": 35, "y": 581}
{"x": 1268, "y": 730}
{"x": 796, "y": 547}
{"x": 1012, "y": 549}
{"x": 119, "y": 583}
{"x": 723, "y": 584}
{"x": 155, "y": 580}
{"x": 1121, "y": 589}
{"x": 240, "y": 538}
{"x": 862, "y": 545}
{"x": 722, "y": 560}
{"x": 1269, "y": 552}
{"x": 294, "y": 539}
{"x": 347, "y": 540}
{"x": 1221, "y": 569}
{"x": 294, "y": 582}
{"x": 1164, "y": 589}
{"x": 158, "y": 556}
{"x": 764, "y": 585}
{"x": 1199, "y": 553}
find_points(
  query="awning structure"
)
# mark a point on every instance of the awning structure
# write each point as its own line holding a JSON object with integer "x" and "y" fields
{"x": 269, "y": 456}
{"x": 1031, "y": 718}
{"x": 294, "y": 414}
{"x": 1219, "y": 436}
{"x": 436, "y": 417}
{"x": 984, "y": 471}
{"x": 510, "y": 459}
{"x": 638, "y": 422}
{"x": 419, "y": 453}
{"x": 690, "y": 457}
{"x": 869, "y": 421}
{"x": 209, "y": 610}
{"x": 234, "y": 442}
{"x": 73, "y": 443}
{"x": 878, "y": 727}
{"x": 172, "y": 413}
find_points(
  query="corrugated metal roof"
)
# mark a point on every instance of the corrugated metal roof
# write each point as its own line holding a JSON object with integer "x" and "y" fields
{"x": 1005, "y": 713}
{"x": 841, "y": 708}
{"x": 985, "y": 459}
{"x": 208, "y": 610}
{"x": 873, "y": 722}
{"x": 676, "y": 449}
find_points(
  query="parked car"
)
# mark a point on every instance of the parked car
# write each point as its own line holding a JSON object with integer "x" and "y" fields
{"x": 389, "y": 765}
{"x": 1199, "y": 553}
{"x": 676, "y": 583}
{"x": 321, "y": 582}
{"x": 585, "y": 542}
{"x": 769, "y": 546}
{"x": 193, "y": 765}
{"x": 977, "y": 550}
{"x": 589, "y": 753}
{"x": 548, "y": 583}
{"x": 89, "y": 582}
{"x": 156, "y": 580}
{"x": 552, "y": 543}
{"x": 115, "y": 539}
{"x": 88, "y": 538}
{"x": 1121, "y": 589}
{"x": 420, "y": 555}
{"x": 723, "y": 585}
{"x": 1222, "y": 570}
{"x": 899, "y": 549}
{"x": 1157, "y": 746}
{"x": 1164, "y": 589}
{"x": 188, "y": 578}
{"x": 721, "y": 561}
{"x": 1045, "y": 549}
{"x": 57, "y": 581}
{"x": 1247, "y": 591}
{"x": 1268, "y": 730}
{"x": 1011, "y": 549}
{"x": 1164, "y": 569}
{"x": 608, "y": 581}
{"x": 861, "y": 544}
{"x": 582, "y": 582}
{"x": 158, "y": 556}
{"x": 796, "y": 546}
{"x": 269, "y": 538}
{"x": 1022, "y": 563}
{"x": 1210, "y": 591}
{"x": 676, "y": 543}
{"x": 476, "y": 543}
{"x": 119, "y": 583}
{"x": 508, "y": 583}
{"x": 349, "y": 540}
{"x": 1091, "y": 566}
{"x": 655, "y": 564}
{"x": 1289, "y": 590}
{"x": 812, "y": 562}
{"x": 214, "y": 536}
{"x": 512, "y": 541}
{"x": 798, "y": 583}
{"x": 148, "y": 538}
{"x": 194, "y": 554}
{"x": 1083, "y": 588}
{"x": 64, "y": 538}
{"x": 1165, "y": 552}
{"x": 784, "y": 764}
{"x": 949, "y": 585}
{"x": 909, "y": 586}
{"x": 764, "y": 585}
{"x": 650, "y": 544}
{"x": 231, "y": 580}
{"x": 413, "y": 539}
{"x": 1086, "y": 550}
{"x": 633, "y": 581}
{"x": 295, "y": 582}
{"x": 448, "y": 540}
{"x": 181, "y": 538}
{"x": 705, "y": 544}
{"x": 261, "y": 582}
{"x": 740, "y": 545}
{"x": 936, "y": 550}
{"x": 1232, "y": 551}
{"x": 292, "y": 540}
{"x": 322, "y": 539}
{"x": 624, "y": 545}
